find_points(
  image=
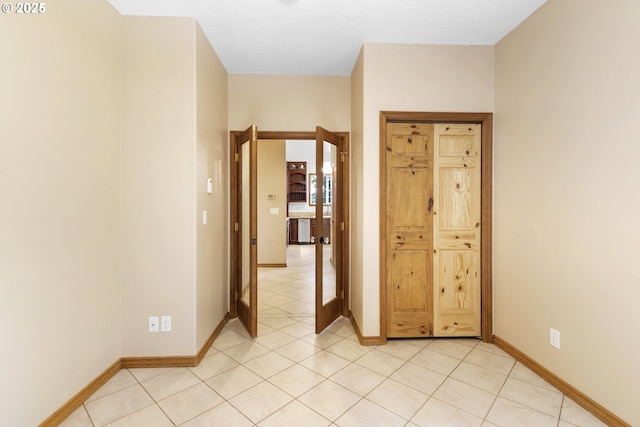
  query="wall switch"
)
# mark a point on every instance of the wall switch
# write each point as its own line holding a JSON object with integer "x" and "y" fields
{"x": 210, "y": 185}
{"x": 165, "y": 323}
{"x": 153, "y": 324}
{"x": 554, "y": 338}
{"x": 275, "y": 211}
{"x": 204, "y": 217}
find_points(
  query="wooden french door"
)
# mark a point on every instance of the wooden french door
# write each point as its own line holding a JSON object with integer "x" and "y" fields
{"x": 330, "y": 242}
{"x": 432, "y": 229}
{"x": 246, "y": 228}
{"x": 329, "y": 248}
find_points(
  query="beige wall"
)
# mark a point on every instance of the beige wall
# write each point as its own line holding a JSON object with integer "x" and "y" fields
{"x": 272, "y": 233}
{"x": 566, "y": 195}
{"x": 289, "y": 103}
{"x": 174, "y": 138}
{"x": 158, "y": 189}
{"x": 60, "y": 309}
{"x": 357, "y": 207}
{"x": 110, "y": 127}
{"x": 403, "y": 78}
{"x": 212, "y": 152}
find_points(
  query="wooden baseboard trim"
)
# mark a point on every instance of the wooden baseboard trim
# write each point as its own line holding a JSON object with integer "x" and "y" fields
{"x": 365, "y": 340}
{"x": 158, "y": 362}
{"x": 131, "y": 362}
{"x": 67, "y": 409}
{"x": 573, "y": 393}
{"x": 273, "y": 265}
{"x": 209, "y": 342}
{"x": 175, "y": 361}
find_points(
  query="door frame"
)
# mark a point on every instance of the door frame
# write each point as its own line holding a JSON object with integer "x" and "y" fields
{"x": 234, "y": 200}
{"x": 486, "y": 210}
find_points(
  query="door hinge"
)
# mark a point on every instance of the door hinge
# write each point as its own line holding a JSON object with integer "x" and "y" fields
{"x": 342, "y": 226}
{"x": 236, "y": 295}
{"x": 235, "y": 227}
{"x": 236, "y": 156}
{"x": 342, "y": 155}
{"x": 342, "y": 294}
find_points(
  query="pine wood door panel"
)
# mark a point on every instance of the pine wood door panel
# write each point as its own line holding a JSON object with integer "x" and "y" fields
{"x": 458, "y": 300}
{"x": 409, "y": 144}
{"x": 409, "y": 291}
{"x": 409, "y": 211}
{"x": 458, "y": 141}
{"x": 409, "y": 193}
{"x": 459, "y": 201}
{"x": 456, "y": 230}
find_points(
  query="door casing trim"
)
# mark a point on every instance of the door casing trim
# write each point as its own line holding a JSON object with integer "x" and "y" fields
{"x": 486, "y": 215}
{"x": 234, "y": 191}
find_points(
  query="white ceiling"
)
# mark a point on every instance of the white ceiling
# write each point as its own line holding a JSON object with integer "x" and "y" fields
{"x": 324, "y": 37}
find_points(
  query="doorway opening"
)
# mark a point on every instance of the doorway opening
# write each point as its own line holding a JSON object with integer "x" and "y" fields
{"x": 311, "y": 281}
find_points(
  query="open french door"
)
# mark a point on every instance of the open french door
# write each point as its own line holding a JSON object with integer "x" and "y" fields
{"x": 246, "y": 293}
{"x": 328, "y": 225}
{"x": 328, "y": 239}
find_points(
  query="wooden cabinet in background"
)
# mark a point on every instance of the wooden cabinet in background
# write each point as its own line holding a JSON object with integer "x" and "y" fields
{"x": 293, "y": 230}
{"x": 297, "y": 181}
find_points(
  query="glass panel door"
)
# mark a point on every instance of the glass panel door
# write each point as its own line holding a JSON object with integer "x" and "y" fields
{"x": 327, "y": 220}
{"x": 247, "y": 301}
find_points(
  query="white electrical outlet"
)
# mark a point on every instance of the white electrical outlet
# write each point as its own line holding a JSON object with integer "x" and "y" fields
{"x": 554, "y": 338}
{"x": 153, "y": 324}
{"x": 165, "y": 323}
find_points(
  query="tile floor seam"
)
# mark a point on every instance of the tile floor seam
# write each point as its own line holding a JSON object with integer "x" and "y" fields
{"x": 166, "y": 415}
{"x": 422, "y": 406}
{"x": 395, "y": 413}
{"x": 154, "y": 401}
{"x": 150, "y": 396}
{"x": 88, "y": 414}
{"x": 349, "y": 408}
{"x": 432, "y": 395}
{"x": 561, "y": 409}
{"x": 324, "y": 416}
{"x": 498, "y": 393}
{"x": 529, "y": 407}
{"x": 495, "y": 396}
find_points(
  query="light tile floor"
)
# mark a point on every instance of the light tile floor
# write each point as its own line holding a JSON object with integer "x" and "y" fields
{"x": 289, "y": 376}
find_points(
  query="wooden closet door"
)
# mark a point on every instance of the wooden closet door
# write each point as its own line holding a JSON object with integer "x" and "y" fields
{"x": 456, "y": 232}
{"x": 409, "y": 225}
{"x": 432, "y": 229}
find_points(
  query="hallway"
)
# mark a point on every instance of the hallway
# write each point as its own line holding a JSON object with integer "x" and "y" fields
{"x": 289, "y": 376}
